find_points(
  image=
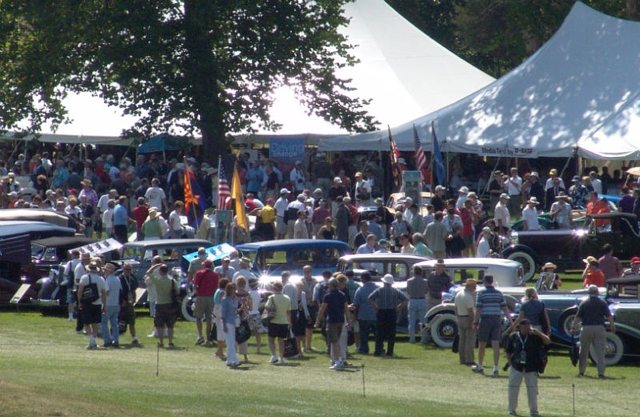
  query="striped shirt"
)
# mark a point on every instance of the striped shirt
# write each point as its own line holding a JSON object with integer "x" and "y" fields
{"x": 490, "y": 302}
{"x": 387, "y": 297}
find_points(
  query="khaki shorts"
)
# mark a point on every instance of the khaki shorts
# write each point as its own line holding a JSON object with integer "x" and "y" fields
{"x": 203, "y": 308}
{"x": 333, "y": 332}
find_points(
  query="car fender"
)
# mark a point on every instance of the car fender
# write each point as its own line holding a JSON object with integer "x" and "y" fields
{"x": 519, "y": 248}
{"x": 628, "y": 331}
{"x": 440, "y": 309}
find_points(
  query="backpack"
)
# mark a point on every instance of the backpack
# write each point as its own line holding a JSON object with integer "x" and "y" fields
{"x": 89, "y": 292}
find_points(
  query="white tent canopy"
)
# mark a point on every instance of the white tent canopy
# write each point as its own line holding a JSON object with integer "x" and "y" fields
{"x": 580, "y": 91}
{"x": 405, "y": 73}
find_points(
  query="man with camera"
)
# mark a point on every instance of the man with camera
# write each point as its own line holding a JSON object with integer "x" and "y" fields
{"x": 527, "y": 355}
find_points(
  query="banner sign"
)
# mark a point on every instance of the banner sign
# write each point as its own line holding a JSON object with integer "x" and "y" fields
{"x": 286, "y": 151}
{"x": 511, "y": 151}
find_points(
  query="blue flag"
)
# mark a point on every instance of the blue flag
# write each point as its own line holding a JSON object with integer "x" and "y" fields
{"x": 437, "y": 158}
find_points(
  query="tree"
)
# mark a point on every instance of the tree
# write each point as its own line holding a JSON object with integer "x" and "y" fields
{"x": 199, "y": 65}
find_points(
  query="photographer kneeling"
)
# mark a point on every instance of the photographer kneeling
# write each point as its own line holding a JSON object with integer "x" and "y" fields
{"x": 526, "y": 350}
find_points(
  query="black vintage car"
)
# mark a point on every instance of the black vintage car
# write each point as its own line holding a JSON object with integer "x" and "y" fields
{"x": 568, "y": 247}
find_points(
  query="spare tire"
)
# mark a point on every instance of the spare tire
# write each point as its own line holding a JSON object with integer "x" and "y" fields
{"x": 444, "y": 328}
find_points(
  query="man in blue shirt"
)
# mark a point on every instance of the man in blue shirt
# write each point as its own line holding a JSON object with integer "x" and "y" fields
{"x": 121, "y": 220}
{"x": 386, "y": 301}
{"x": 490, "y": 305}
{"x": 365, "y": 313}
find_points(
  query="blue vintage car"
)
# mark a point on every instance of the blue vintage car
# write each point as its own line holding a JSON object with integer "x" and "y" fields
{"x": 271, "y": 258}
{"x": 622, "y": 296}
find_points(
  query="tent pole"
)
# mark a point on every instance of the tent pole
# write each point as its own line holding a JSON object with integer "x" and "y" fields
{"x": 486, "y": 187}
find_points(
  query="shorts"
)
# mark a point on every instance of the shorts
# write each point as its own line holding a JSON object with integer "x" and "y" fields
{"x": 166, "y": 315}
{"x": 91, "y": 314}
{"x": 490, "y": 329}
{"x": 203, "y": 308}
{"x": 128, "y": 314}
{"x": 278, "y": 330}
{"x": 334, "y": 330}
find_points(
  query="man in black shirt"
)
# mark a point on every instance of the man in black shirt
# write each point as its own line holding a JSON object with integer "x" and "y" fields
{"x": 527, "y": 355}
{"x": 592, "y": 312}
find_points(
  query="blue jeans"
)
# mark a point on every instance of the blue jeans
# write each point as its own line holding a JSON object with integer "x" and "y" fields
{"x": 110, "y": 328}
{"x": 366, "y": 327}
{"x": 417, "y": 311}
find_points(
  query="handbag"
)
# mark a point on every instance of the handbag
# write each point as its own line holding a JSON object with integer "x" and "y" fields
{"x": 290, "y": 348}
{"x": 243, "y": 332}
{"x": 269, "y": 311}
{"x": 455, "y": 344}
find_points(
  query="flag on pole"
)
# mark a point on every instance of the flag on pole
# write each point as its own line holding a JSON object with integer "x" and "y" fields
{"x": 236, "y": 195}
{"x": 194, "y": 196}
{"x": 223, "y": 186}
{"x": 394, "y": 155}
{"x": 421, "y": 159}
{"x": 437, "y": 158}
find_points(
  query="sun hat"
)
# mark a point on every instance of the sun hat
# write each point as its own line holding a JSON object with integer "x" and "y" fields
{"x": 388, "y": 279}
{"x": 549, "y": 265}
{"x": 589, "y": 259}
{"x": 153, "y": 213}
{"x": 284, "y": 191}
{"x": 635, "y": 260}
{"x": 533, "y": 200}
{"x": 505, "y": 195}
{"x": 463, "y": 189}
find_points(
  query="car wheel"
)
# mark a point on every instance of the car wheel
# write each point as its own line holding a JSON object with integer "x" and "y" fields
{"x": 527, "y": 261}
{"x": 566, "y": 322}
{"x": 614, "y": 350}
{"x": 444, "y": 328}
{"x": 187, "y": 305}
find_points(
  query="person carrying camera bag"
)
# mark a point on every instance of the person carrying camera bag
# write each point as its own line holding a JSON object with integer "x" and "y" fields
{"x": 92, "y": 298}
{"x": 527, "y": 355}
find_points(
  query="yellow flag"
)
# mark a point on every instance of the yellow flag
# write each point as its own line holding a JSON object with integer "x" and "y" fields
{"x": 236, "y": 195}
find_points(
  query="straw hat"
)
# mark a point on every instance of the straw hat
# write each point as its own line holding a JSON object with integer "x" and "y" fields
{"x": 153, "y": 213}
{"x": 549, "y": 265}
{"x": 388, "y": 279}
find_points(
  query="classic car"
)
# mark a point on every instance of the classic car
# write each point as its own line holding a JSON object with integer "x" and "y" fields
{"x": 35, "y": 229}
{"x": 567, "y": 247}
{"x": 271, "y": 258}
{"x": 378, "y": 264}
{"x": 40, "y": 215}
{"x": 49, "y": 257}
{"x": 507, "y": 275}
{"x": 14, "y": 255}
{"x": 622, "y": 296}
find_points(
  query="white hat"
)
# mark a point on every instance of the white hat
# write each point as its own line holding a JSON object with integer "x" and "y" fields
{"x": 463, "y": 189}
{"x": 388, "y": 279}
{"x": 338, "y": 180}
{"x": 505, "y": 195}
{"x": 284, "y": 191}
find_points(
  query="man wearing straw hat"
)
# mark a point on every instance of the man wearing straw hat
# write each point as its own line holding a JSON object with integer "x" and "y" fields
{"x": 561, "y": 211}
{"x": 386, "y": 300}
{"x": 530, "y": 215}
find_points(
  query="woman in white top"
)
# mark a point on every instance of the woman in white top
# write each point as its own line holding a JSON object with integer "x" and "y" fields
{"x": 255, "y": 323}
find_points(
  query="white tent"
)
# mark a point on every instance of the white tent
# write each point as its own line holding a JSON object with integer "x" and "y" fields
{"x": 580, "y": 91}
{"x": 405, "y": 73}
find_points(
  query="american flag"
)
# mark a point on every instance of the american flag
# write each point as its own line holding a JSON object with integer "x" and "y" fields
{"x": 223, "y": 186}
{"x": 421, "y": 159}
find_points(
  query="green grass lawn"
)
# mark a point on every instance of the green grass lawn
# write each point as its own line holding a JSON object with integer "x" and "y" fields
{"x": 46, "y": 371}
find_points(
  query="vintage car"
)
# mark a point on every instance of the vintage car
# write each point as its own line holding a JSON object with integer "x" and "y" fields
{"x": 35, "y": 229}
{"x": 49, "y": 258}
{"x": 40, "y": 215}
{"x": 14, "y": 255}
{"x": 567, "y": 247}
{"x": 622, "y": 296}
{"x": 507, "y": 275}
{"x": 378, "y": 264}
{"x": 271, "y": 258}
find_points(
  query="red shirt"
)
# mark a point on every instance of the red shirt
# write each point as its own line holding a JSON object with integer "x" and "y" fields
{"x": 594, "y": 277}
{"x": 140, "y": 213}
{"x": 206, "y": 282}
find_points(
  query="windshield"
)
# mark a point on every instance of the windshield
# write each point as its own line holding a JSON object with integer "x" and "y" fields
{"x": 37, "y": 251}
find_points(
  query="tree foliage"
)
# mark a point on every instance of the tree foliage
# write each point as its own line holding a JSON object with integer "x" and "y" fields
{"x": 497, "y": 35}
{"x": 207, "y": 65}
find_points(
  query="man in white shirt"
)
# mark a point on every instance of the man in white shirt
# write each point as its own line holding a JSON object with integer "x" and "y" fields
{"x": 297, "y": 178}
{"x": 501, "y": 214}
{"x": 244, "y": 270}
{"x": 281, "y": 207}
{"x": 561, "y": 211}
{"x": 484, "y": 245}
{"x": 596, "y": 183}
{"x": 513, "y": 185}
{"x": 530, "y": 215}
{"x": 156, "y": 196}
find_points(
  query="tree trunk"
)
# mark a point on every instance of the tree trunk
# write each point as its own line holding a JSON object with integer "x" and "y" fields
{"x": 201, "y": 70}
{"x": 633, "y": 9}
